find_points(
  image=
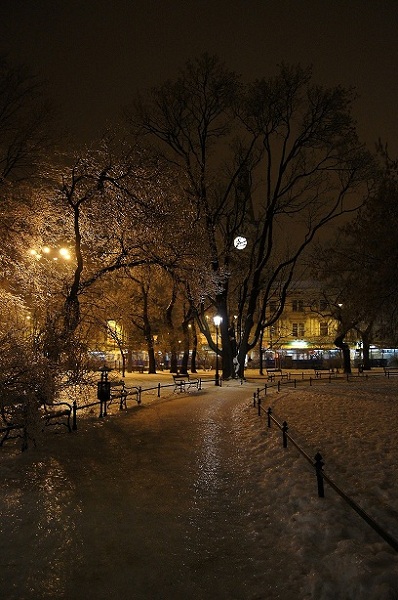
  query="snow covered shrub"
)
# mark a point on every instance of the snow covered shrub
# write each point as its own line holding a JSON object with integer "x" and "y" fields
{"x": 26, "y": 379}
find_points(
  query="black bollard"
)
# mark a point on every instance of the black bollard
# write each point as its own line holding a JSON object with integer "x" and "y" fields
{"x": 318, "y": 468}
{"x": 284, "y": 432}
{"x": 74, "y": 417}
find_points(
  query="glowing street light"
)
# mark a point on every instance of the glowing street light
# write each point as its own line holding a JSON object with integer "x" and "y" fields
{"x": 217, "y": 321}
{"x": 49, "y": 252}
{"x": 64, "y": 252}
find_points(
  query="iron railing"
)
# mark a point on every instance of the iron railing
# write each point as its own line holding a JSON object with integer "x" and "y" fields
{"x": 317, "y": 463}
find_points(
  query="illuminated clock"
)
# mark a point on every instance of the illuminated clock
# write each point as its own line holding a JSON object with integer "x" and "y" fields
{"x": 240, "y": 242}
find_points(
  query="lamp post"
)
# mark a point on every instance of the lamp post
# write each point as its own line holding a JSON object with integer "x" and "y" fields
{"x": 217, "y": 320}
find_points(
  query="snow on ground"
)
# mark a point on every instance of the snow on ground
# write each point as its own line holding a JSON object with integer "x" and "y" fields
{"x": 354, "y": 425}
{"x": 297, "y": 546}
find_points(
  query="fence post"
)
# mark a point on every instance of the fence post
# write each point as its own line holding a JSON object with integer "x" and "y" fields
{"x": 139, "y": 395}
{"x": 254, "y": 399}
{"x": 259, "y": 406}
{"x": 200, "y": 383}
{"x": 269, "y": 412}
{"x": 294, "y": 383}
{"x": 310, "y": 380}
{"x": 74, "y": 414}
{"x": 284, "y": 432}
{"x": 279, "y": 385}
{"x": 159, "y": 386}
{"x": 318, "y": 469}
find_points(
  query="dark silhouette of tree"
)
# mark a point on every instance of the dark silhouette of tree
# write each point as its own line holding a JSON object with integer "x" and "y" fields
{"x": 275, "y": 161}
{"x": 358, "y": 268}
{"x": 25, "y": 124}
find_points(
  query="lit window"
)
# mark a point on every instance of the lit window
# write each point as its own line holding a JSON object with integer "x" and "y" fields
{"x": 323, "y": 329}
{"x": 298, "y": 330}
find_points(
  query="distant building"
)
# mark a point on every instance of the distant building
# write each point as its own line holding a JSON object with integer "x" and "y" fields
{"x": 303, "y": 337}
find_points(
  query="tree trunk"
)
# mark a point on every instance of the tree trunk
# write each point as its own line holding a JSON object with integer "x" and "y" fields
{"x": 123, "y": 364}
{"x": 344, "y": 347}
{"x": 366, "y": 351}
{"x": 366, "y": 356}
{"x": 173, "y": 362}
{"x": 185, "y": 356}
{"x": 129, "y": 361}
{"x": 194, "y": 348}
{"x": 184, "y": 363}
{"x": 260, "y": 352}
{"x": 225, "y": 348}
{"x": 151, "y": 357}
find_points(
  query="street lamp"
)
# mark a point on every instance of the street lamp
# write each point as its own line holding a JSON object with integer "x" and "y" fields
{"x": 51, "y": 253}
{"x": 217, "y": 320}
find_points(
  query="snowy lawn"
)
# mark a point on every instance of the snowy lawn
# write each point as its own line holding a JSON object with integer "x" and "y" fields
{"x": 234, "y": 482}
{"x": 354, "y": 426}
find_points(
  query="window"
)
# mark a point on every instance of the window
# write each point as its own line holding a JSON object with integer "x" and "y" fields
{"x": 298, "y": 330}
{"x": 297, "y": 306}
{"x": 323, "y": 329}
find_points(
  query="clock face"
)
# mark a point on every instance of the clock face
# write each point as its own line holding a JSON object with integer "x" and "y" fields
{"x": 240, "y": 242}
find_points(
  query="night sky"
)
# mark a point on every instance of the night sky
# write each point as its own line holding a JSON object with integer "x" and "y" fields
{"x": 96, "y": 54}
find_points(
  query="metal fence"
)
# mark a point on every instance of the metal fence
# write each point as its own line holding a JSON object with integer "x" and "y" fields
{"x": 317, "y": 463}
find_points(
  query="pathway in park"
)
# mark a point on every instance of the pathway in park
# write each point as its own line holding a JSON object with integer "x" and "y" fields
{"x": 154, "y": 503}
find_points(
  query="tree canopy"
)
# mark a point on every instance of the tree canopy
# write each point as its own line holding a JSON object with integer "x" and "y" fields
{"x": 358, "y": 268}
{"x": 274, "y": 160}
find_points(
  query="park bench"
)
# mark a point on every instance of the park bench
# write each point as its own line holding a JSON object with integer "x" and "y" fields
{"x": 183, "y": 382}
{"x": 389, "y": 371}
{"x": 119, "y": 391}
{"x": 319, "y": 372}
{"x": 11, "y": 424}
{"x": 57, "y": 413}
{"x": 275, "y": 372}
{"x": 13, "y": 418}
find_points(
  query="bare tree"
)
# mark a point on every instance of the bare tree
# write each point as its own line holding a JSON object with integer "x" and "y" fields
{"x": 26, "y": 138}
{"x": 117, "y": 209}
{"x": 273, "y": 161}
{"x": 358, "y": 269}
{"x": 25, "y": 119}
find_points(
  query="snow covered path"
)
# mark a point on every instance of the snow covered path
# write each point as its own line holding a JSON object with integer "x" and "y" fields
{"x": 155, "y": 503}
{"x": 190, "y": 498}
